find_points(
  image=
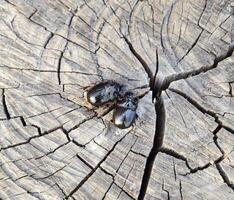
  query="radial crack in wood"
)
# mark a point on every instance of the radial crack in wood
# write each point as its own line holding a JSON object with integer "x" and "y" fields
{"x": 54, "y": 145}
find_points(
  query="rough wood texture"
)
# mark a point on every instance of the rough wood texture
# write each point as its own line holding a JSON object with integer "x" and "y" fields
{"x": 53, "y": 146}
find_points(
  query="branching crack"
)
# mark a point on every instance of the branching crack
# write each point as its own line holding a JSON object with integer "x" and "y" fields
{"x": 202, "y": 109}
{"x": 157, "y": 143}
{"x": 224, "y": 176}
{"x": 168, "y": 193}
{"x": 60, "y": 146}
{"x": 175, "y": 155}
{"x": 195, "y": 72}
{"x": 29, "y": 139}
{"x": 95, "y": 168}
{"x": 140, "y": 59}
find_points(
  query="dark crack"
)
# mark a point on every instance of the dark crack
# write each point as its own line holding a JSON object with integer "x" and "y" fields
{"x": 122, "y": 188}
{"x": 78, "y": 144}
{"x": 230, "y": 89}
{"x": 202, "y": 109}
{"x": 157, "y": 143}
{"x": 23, "y": 121}
{"x": 176, "y": 155}
{"x": 48, "y": 40}
{"x": 59, "y": 63}
{"x": 37, "y": 127}
{"x": 30, "y": 138}
{"x": 140, "y": 59}
{"x": 168, "y": 193}
{"x": 50, "y": 175}
{"x": 224, "y": 176}
{"x": 181, "y": 192}
{"x": 179, "y": 156}
{"x": 190, "y": 49}
{"x": 95, "y": 168}
{"x": 137, "y": 153}
{"x": 84, "y": 161}
{"x": 195, "y": 72}
{"x": 113, "y": 176}
{"x": 82, "y": 122}
{"x": 57, "y": 148}
{"x": 174, "y": 169}
{"x": 5, "y": 108}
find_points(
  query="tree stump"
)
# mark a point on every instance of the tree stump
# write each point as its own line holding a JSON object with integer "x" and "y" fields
{"x": 53, "y": 145}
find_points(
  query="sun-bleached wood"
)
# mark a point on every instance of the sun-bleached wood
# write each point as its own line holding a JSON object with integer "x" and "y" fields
{"x": 53, "y": 145}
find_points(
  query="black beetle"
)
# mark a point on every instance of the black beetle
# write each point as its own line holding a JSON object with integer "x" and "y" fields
{"x": 125, "y": 114}
{"x": 103, "y": 93}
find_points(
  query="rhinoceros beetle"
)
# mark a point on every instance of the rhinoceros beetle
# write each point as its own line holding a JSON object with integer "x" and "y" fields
{"x": 103, "y": 93}
{"x": 125, "y": 114}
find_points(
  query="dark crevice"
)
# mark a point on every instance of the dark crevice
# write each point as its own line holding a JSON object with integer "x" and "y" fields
{"x": 60, "y": 189}
{"x": 108, "y": 189}
{"x": 78, "y": 144}
{"x": 157, "y": 143}
{"x": 48, "y": 40}
{"x": 125, "y": 192}
{"x": 175, "y": 154}
{"x": 82, "y": 122}
{"x": 190, "y": 49}
{"x": 84, "y": 161}
{"x": 199, "y": 168}
{"x": 230, "y": 89}
{"x": 195, "y": 72}
{"x": 50, "y": 175}
{"x": 66, "y": 133}
{"x": 22, "y": 121}
{"x": 215, "y": 138}
{"x": 193, "y": 102}
{"x": 33, "y": 13}
{"x": 60, "y": 146}
{"x": 99, "y": 144}
{"x": 59, "y": 64}
{"x": 202, "y": 109}
{"x": 106, "y": 172}
{"x": 168, "y": 193}
{"x": 5, "y": 109}
{"x": 95, "y": 168}
{"x": 117, "y": 170}
{"x": 204, "y": 8}
{"x": 138, "y": 153}
{"x": 140, "y": 59}
{"x": 51, "y": 71}
{"x": 91, "y": 9}
{"x": 122, "y": 188}
{"x": 130, "y": 15}
{"x": 174, "y": 169}
{"x": 181, "y": 193}
{"x": 217, "y": 162}
{"x": 224, "y": 176}
{"x": 29, "y": 139}
{"x": 37, "y": 127}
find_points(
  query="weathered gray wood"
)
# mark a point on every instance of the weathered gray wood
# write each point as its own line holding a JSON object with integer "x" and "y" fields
{"x": 53, "y": 145}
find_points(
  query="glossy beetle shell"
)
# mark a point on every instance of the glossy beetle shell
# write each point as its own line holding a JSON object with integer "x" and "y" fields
{"x": 103, "y": 93}
{"x": 125, "y": 113}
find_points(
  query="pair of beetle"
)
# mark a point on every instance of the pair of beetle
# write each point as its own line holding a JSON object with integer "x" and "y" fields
{"x": 124, "y": 114}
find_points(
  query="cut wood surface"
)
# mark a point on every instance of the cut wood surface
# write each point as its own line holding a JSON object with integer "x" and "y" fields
{"x": 54, "y": 145}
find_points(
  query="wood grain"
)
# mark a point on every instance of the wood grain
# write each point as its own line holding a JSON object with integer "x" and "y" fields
{"x": 53, "y": 145}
